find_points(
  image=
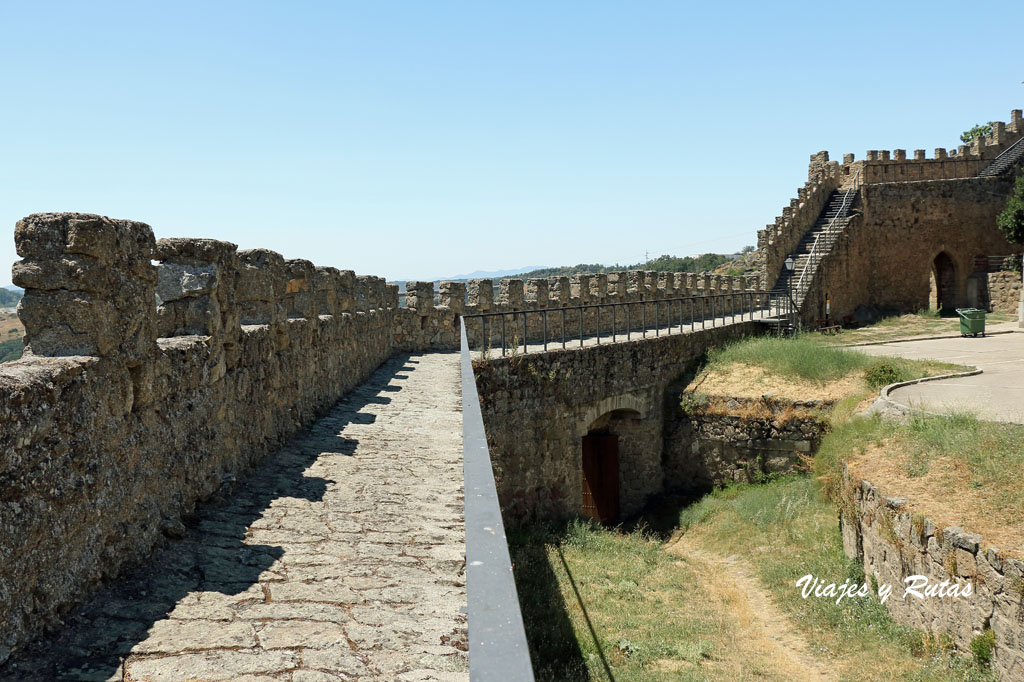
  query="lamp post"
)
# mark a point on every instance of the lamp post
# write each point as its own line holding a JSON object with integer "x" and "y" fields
{"x": 790, "y": 264}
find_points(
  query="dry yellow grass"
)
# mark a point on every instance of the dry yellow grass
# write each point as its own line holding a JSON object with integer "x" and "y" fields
{"x": 743, "y": 381}
{"x": 944, "y": 494}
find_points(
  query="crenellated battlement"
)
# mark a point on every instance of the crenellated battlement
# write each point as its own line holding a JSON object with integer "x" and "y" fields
{"x": 782, "y": 237}
{"x": 156, "y": 369}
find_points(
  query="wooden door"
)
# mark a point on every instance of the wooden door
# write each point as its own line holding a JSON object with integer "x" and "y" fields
{"x": 601, "y": 476}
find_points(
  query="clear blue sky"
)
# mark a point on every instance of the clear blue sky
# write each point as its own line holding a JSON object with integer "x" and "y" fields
{"x": 421, "y": 139}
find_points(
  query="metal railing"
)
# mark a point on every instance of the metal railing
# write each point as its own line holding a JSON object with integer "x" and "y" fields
{"x": 498, "y": 651}
{"x": 829, "y": 233}
{"x": 599, "y": 323}
{"x": 1004, "y": 160}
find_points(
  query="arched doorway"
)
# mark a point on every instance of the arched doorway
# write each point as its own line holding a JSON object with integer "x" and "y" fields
{"x": 601, "y": 476}
{"x": 942, "y": 284}
{"x": 613, "y": 433}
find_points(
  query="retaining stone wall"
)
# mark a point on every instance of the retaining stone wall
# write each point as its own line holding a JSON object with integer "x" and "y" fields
{"x": 893, "y": 544}
{"x": 715, "y": 440}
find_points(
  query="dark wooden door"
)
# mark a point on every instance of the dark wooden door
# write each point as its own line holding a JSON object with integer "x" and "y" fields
{"x": 601, "y": 476}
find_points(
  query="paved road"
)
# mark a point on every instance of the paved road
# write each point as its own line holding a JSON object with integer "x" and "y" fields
{"x": 996, "y": 394}
{"x": 342, "y": 558}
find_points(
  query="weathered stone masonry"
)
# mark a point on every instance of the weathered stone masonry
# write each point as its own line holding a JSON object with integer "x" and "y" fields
{"x": 156, "y": 369}
{"x": 538, "y": 407}
{"x": 892, "y": 544}
{"x": 907, "y": 211}
{"x": 123, "y": 413}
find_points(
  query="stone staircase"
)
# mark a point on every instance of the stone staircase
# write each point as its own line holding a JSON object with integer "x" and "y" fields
{"x": 833, "y": 219}
{"x": 1005, "y": 161}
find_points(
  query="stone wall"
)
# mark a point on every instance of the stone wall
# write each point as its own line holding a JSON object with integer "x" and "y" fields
{"x": 538, "y": 407}
{"x": 652, "y": 298}
{"x": 782, "y": 237}
{"x": 893, "y": 544}
{"x": 713, "y": 440}
{"x": 153, "y": 371}
{"x": 884, "y": 257}
{"x": 996, "y": 292}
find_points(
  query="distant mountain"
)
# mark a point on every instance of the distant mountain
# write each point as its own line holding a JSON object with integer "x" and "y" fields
{"x": 9, "y": 297}
{"x": 485, "y": 274}
{"x": 11, "y": 287}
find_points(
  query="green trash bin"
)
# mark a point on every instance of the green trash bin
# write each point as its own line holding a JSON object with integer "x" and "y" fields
{"x": 972, "y": 321}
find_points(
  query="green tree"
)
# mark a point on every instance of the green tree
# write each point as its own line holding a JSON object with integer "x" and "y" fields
{"x": 976, "y": 131}
{"x": 1011, "y": 220}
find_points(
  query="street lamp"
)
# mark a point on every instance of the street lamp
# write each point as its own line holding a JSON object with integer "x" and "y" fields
{"x": 790, "y": 264}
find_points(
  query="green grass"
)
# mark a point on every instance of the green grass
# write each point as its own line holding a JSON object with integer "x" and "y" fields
{"x": 809, "y": 358}
{"x": 599, "y": 600}
{"x": 596, "y": 600}
{"x": 11, "y": 349}
{"x": 787, "y": 529}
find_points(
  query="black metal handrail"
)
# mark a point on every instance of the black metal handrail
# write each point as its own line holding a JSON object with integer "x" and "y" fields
{"x": 498, "y": 650}
{"x": 706, "y": 310}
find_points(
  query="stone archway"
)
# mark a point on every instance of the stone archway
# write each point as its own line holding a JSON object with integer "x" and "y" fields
{"x": 942, "y": 284}
{"x": 618, "y": 445}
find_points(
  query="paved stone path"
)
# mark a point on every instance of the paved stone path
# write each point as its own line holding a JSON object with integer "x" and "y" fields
{"x": 996, "y": 394}
{"x": 341, "y": 558}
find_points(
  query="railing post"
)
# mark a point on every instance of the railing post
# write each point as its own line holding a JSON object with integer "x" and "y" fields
{"x": 545, "y": 316}
{"x": 563, "y": 328}
{"x": 503, "y": 335}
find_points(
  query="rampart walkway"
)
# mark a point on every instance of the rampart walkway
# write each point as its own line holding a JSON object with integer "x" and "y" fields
{"x": 340, "y": 558}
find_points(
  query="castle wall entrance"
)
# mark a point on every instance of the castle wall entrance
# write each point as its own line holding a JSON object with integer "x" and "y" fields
{"x": 601, "y": 476}
{"x": 942, "y": 283}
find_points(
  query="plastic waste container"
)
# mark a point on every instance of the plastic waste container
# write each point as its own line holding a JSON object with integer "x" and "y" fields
{"x": 972, "y": 321}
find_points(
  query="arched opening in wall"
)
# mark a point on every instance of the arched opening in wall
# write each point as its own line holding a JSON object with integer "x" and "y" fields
{"x": 600, "y": 460}
{"x": 942, "y": 284}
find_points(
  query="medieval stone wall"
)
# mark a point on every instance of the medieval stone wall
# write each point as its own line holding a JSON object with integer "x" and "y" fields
{"x": 893, "y": 544}
{"x": 885, "y": 257}
{"x": 153, "y": 371}
{"x": 714, "y": 440}
{"x": 781, "y": 238}
{"x": 996, "y": 292}
{"x": 538, "y": 407}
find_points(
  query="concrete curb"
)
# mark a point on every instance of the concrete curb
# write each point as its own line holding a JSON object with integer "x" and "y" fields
{"x": 887, "y": 406}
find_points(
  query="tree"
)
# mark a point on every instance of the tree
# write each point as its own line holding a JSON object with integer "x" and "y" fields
{"x": 1011, "y": 220}
{"x": 749, "y": 248}
{"x": 976, "y": 131}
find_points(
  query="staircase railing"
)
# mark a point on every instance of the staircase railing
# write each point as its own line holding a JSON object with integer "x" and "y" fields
{"x": 1008, "y": 152}
{"x": 829, "y": 234}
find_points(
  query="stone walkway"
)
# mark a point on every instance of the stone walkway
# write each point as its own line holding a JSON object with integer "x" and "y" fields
{"x": 340, "y": 558}
{"x": 997, "y": 394}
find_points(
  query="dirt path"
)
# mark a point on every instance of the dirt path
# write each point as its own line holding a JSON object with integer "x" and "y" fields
{"x": 760, "y": 625}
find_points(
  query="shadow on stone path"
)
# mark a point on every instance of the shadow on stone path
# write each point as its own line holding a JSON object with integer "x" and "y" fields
{"x": 339, "y": 558}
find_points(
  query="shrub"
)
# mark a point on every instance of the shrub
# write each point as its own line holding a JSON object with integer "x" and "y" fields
{"x": 982, "y": 646}
{"x": 883, "y": 373}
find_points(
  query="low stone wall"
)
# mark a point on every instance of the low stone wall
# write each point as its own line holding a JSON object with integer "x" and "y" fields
{"x": 1003, "y": 292}
{"x": 714, "y": 440}
{"x": 892, "y": 544}
{"x": 153, "y": 371}
{"x": 538, "y": 407}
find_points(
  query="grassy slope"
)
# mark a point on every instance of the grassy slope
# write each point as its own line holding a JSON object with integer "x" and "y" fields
{"x": 648, "y": 618}
{"x": 628, "y": 607}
